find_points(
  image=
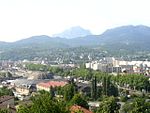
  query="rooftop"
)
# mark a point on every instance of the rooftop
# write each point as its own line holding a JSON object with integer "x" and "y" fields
{"x": 53, "y": 84}
{"x": 19, "y": 82}
{"x": 76, "y": 108}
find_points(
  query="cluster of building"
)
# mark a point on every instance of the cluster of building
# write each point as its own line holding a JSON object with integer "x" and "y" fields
{"x": 113, "y": 65}
{"x": 24, "y": 88}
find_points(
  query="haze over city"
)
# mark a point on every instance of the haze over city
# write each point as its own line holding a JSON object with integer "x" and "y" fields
{"x": 24, "y": 18}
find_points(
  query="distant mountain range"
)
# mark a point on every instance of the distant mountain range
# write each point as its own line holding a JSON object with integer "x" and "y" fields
{"x": 128, "y": 38}
{"x": 73, "y": 32}
{"x": 125, "y": 35}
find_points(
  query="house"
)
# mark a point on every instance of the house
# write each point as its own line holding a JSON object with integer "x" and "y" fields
{"x": 25, "y": 89}
{"x": 47, "y": 85}
{"x": 23, "y": 86}
{"x": 79, "y": 109}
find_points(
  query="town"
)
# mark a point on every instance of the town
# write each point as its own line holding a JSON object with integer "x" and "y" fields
{"x": 74, "y": 56}
{"x": 117, "y": 79}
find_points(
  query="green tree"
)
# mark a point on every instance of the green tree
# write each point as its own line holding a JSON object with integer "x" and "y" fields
{"x": 24, "y": 109}
{"x": 139, "y": 105}
{"x": 108, "y": 105}
{"x": 43, "y": 103}
{"x": 79, "y": 100}
{"x": 52, "y": 92}
{"x": 5, "y": 91}
{"x": 69, "y": 91}
{"x": 134, "y": 81}
{"x": 94, "y": 88}
{"x": 4, "y": 111}
{"x": 109, "y": 89}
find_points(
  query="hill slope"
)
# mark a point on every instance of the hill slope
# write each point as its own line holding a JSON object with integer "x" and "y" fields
{"x": 121, "y": 39}
{"x": 133, "y": 37}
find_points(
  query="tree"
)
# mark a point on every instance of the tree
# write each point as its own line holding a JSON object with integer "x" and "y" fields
{"x": 134, "y": 81}
{"x": 82, "y": 72}
{"x": 94, "y": 88}
{"x": 112, "y": 90}
{"x": 24, "y": 109}
{"x": 109, "y": 105}
{"x": 69, "y": 91}
{"x": 79, "y": 100}
{"x": 52, "y": 92}
{"x": 139, "y": 105}
{"x": 4, "y": 111}
{"x": 5, "y": 91}
{"x": 43, "y": 103}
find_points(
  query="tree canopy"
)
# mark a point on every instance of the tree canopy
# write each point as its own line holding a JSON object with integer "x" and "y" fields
{"x": 108, "y": 105}
{"x": 5, "y": 91}
{"x": 43, "y": 103}
{"x": 79, "y": 100}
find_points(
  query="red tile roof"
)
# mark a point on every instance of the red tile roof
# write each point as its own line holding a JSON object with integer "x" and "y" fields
{"x": 76, "y": 108}
{"x": 53, "y": 84}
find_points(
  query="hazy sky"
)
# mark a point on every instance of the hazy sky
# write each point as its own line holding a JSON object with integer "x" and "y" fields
{"x": 24, "y": 18}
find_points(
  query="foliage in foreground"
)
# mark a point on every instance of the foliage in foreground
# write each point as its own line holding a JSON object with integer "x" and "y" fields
{"x": 139, "y": 105}
{"x": 43, "y": 103}
{"x": 4, "y": 111}
{"x": 109, "y": 105}
{"x": 5, "y": 91}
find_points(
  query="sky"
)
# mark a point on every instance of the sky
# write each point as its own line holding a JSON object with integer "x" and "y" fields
{"x": 21, "y": 19}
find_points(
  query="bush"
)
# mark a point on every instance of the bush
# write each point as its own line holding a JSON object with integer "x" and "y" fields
{"x": 123, "y": 98}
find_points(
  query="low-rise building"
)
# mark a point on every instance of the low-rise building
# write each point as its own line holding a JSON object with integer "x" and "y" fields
{"x": 47, "y": 85}
{"x": 25, "y": 89}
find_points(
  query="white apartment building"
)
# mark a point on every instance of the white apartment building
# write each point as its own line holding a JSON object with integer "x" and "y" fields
{"x": 111, "y": 64}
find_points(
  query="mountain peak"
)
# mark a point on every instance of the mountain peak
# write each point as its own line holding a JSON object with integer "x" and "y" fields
{"x": 76, "y": 28}
{"x": 74, "y": 32}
